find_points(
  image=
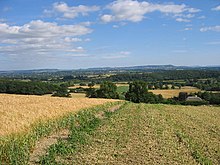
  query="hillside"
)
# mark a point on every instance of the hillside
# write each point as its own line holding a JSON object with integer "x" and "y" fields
{"x": 147, "y": 134}
{"x": 114, "y": 133}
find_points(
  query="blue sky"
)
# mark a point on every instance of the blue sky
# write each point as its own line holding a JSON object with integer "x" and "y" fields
{"x": 72, "y": 34}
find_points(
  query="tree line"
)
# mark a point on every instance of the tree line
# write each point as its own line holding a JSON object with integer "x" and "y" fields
{"x": 32, "y": 88}
{"x": 138, "y": 93}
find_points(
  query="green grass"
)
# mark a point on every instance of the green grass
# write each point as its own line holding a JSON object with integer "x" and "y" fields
{"x": 144, "y": 134}
{"x": 134, "y": 134}
{"x": 122, "y": 89}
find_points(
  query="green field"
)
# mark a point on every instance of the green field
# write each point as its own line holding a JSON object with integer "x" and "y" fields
{"x": 142, "y": 134}
{"x": 122, "y": 89}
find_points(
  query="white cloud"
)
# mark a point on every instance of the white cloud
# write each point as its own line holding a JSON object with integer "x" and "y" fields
{"x": 71, "y": 12}
{"x": 2, "y": 20}
{"x": 125, "y": 52}
{"x": 78, "y": 49}
{"x": 69, "y": 39}
{"x": 107, "y": 18}
{"x": 202, "y": 17}
{"x": 38, "y": 37}
{"x": 114, "y": 57}
{"x": 184, "y": 15}
{"x": 217, "y": 8}
{"x": 187, "y": 29}
{"x": 87, "y": 39}
{"x": 115, "y": 26}
{"x": 193, "y": 10}
{"x": 182, "y": 20}
{"x": 210, "y": 28}
{"x": 134, "y": 11}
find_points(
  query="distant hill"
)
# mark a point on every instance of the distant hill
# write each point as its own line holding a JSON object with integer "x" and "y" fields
{"x": 150, "y": 68}
{"x": 158, "y": 67}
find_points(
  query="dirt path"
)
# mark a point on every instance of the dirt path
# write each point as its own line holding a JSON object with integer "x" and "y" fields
{"x": 43, "y": 144}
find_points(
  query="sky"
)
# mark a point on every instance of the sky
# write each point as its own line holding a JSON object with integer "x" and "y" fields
{"x": 73, "y": 34}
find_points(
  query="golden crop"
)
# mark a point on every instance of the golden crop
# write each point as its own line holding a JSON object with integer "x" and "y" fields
{"x": 19, "y": 112}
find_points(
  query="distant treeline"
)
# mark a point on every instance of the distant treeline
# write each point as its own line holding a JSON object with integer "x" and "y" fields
{"x": 165, "y": 75}
{"x": 29, "y": 88}
{"x": 128, "y": 76}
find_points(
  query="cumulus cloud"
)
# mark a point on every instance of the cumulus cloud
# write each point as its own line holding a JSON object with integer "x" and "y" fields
{"x": 135, "y": 11}
{"x": 217, "y": 8}
{"x": 210, "y": 28}
{"x": 38, "y": 37}
{"x": 70, "y": 12}
{"x": 69, "y": 39}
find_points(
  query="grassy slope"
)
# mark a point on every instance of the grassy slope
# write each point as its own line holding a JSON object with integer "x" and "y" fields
{"x": 154, "y": 134}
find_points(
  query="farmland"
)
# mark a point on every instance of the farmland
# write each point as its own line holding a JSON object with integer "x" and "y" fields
{"x": 19, "y": 112}
{"x": 80, "y": 130}
{"x": 169, "y": 93}
{"x": 142, "y": 134}
{"x": 166, "y": 93}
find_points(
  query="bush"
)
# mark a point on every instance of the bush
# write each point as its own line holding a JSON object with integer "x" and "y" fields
{"x": 194, "y": 103}
{"x": 62, "y": 92}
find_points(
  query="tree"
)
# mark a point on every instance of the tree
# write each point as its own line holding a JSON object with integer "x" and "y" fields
{"x": 62, "y": 92}
{"x": 107, "y": 90}
{"x": 182, "y": 96}
{"x": 150, "y": 86}
{"x": 91, "y": 85}
{"x": 166, "y": 87}
{"x": 138, "y": 93}
{"x": 156, "y": 86}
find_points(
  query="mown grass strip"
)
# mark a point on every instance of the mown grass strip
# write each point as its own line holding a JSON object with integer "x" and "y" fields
{"x": 83, "y": 126}
{"x": 130, "y": 136}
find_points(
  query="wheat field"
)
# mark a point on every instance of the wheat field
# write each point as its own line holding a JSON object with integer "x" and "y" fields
{"x": 19, "y": 112}
{"x": 169, "y": 93}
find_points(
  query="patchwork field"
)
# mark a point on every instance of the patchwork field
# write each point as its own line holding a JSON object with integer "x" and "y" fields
{"x": 166, "y": 93}
{"x": 19, "y": 112}
{"x": 169, "y": 93}
{"x": 97, "y": 85}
